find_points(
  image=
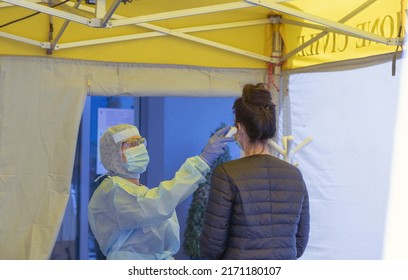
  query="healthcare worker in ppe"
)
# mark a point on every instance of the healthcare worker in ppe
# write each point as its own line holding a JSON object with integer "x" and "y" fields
{"x": 131, "y": 221}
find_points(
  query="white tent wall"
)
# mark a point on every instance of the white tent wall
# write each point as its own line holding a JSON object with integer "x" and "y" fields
{"x": 350, "y": 115}
{"x": 396, "y": 244}
{"x": 41, "y": 103}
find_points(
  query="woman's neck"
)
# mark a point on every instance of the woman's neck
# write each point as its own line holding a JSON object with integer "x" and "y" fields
{"x": 257, "y": 148}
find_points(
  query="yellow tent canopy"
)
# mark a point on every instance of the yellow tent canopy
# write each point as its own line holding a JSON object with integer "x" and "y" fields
{"x": 221, "y": 33}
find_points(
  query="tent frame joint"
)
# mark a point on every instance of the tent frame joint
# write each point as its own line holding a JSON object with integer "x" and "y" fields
{"x": 45, "y": 45}
{"x": 396, "y": 41}
{"x": 275, "y": 19}
{"x": 95, "y": 22}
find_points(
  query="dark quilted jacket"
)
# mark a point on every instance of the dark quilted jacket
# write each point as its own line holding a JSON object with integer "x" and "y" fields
{"x": 258, "y": 208}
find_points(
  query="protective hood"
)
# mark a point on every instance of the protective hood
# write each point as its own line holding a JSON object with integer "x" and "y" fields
{"x": 110, "y": 149}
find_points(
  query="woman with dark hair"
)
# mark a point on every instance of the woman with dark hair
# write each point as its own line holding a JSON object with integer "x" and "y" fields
{"x": 258, "y": 205}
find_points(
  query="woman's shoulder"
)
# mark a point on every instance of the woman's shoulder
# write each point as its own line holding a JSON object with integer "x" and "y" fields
{"x": 256, "y": 162}
{"x": 249, "y": 160}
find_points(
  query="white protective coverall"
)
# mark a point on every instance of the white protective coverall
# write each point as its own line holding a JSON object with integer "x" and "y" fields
{"x": 131, "y": 221}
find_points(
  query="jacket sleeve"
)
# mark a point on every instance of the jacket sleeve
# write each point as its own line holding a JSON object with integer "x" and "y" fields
{"x": 302, "y": 235}
{"x": 214, "y": 235}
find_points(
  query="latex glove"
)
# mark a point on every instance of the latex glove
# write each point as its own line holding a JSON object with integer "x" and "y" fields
{"x": 215, "y": 146}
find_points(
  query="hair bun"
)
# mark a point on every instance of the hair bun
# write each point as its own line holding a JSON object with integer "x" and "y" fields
{"x": 257, "y": 95}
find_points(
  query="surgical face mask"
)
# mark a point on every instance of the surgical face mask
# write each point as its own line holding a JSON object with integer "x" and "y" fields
{"x": 137, "y": 159}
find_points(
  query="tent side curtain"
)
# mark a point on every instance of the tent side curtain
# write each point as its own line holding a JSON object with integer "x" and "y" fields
{"x": 41, "y": 102}
{"x": 111, "y": 79}
{"x": 41, "y": 109}
{"x": 351, "y": 116}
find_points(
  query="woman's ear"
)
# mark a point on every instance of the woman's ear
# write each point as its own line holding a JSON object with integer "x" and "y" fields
{"x": 241, "y": 132}
{"x": 238, "y": 126}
